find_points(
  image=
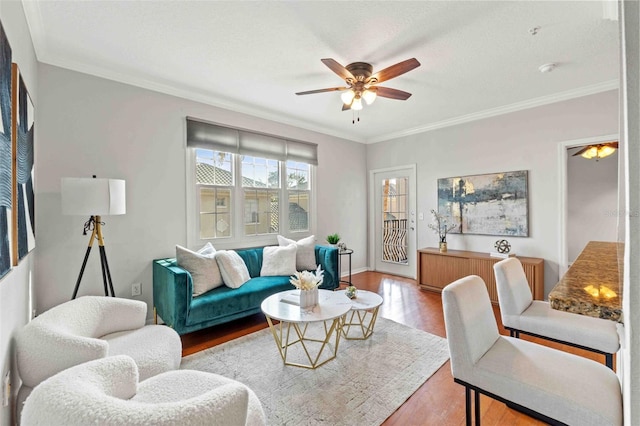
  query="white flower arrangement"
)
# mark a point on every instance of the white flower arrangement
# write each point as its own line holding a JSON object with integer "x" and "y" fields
{"x": 440, "y": 226}
{"x": 306, "y": 280}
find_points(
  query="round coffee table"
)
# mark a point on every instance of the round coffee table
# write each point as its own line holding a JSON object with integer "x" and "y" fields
{"x": 359, "y": 322}
{"x": 291, "y": 332}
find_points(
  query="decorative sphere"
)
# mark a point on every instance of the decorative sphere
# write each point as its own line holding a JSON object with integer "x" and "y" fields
{"x": 503, "y": 246}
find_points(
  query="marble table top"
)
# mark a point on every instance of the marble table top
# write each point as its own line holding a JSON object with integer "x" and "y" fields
{"x": 593, "y": 284}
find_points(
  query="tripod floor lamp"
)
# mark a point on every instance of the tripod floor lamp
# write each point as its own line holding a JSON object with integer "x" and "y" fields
{"x": 95, "y": 198}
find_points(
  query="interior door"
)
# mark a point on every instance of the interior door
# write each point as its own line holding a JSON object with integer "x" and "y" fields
{"x": 394, "y": 222}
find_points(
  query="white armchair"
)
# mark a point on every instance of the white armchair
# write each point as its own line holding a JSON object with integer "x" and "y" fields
{"x": 548, "y": 384}
{"x": 521, "y": 314}
{"x": 89, "y": 328}
{"x": 107, "y": 392}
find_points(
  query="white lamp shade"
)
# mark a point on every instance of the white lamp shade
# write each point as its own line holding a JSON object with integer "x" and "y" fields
{"x": 93, "y": 197}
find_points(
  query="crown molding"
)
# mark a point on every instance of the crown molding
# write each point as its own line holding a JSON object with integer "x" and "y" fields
{"x": 518, "y": 106}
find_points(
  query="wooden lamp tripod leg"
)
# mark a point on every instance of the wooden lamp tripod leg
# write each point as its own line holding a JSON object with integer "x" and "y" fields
{"x": 106, "y": 273}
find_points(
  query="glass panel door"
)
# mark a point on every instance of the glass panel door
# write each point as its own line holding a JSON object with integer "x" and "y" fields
{"x": 394, "y": 224}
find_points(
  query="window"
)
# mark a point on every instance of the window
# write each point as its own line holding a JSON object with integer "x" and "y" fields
{"x": 248, "y": 185}
{"x": 298, "y": 192}
{"x": 260, "y": 193}
{"x": 214, "y": 182}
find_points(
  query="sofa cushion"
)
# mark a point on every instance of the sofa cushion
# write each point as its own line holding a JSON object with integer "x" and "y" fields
{"x": 226, "y": 301}
{"x": 306, "y": 255}
{"x": 202, "y": 266}
{"x": 234, "y": 271}
{"x": 279, "y": 260}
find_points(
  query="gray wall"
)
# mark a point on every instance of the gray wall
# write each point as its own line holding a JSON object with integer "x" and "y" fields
{"x": 89, "y": 125}
{"x": 15, "y": 286}
{"x": 592, "y": 201}
{"x": 524, "y": 140}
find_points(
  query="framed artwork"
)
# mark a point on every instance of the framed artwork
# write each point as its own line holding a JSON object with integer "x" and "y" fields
{"x": 491, "y": 204}
{"x": 23, "y": 197}
{"x": 6, "y": 165}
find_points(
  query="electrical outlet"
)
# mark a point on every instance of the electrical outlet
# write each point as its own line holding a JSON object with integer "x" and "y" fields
{"x": 6, "y": 389}
{"x": 136, "y": 289}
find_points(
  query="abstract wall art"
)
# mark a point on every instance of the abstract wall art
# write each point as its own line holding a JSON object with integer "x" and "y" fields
{"x": 23, "y": 197}
{"x": 490, "y": 204}
{"x": 5, "y": 155}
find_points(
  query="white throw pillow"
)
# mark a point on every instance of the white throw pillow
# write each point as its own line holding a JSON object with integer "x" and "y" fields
{"x": 306, "y": 255}
{"x": 279, "y": 260}
{"x": 202, "y": 266}
{"x": 232, "y": 267}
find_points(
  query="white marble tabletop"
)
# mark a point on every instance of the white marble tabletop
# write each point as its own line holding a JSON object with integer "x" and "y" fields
{"x": 365, "y": 300}
{"x": 331, "y": 305}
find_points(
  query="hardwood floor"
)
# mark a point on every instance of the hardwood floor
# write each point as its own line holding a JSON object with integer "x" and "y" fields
{"x": 439, "y": 401}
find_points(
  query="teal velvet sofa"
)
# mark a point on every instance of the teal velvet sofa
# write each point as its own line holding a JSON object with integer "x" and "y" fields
{"x": 173, "y": 291}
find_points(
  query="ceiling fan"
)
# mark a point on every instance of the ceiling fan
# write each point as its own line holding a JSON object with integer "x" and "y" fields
{"x": 363, "y": 84}
{"x": 598, "y": 151}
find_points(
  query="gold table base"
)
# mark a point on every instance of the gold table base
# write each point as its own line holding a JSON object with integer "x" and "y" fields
{"x": 362, "y": 320}
{"x": 283, "y": 337}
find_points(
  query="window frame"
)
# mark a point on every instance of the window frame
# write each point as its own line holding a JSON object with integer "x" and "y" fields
{"x": 238, "y": 239}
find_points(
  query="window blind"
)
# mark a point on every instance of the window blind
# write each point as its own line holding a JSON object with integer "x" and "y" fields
{"x": 205, "y": 135}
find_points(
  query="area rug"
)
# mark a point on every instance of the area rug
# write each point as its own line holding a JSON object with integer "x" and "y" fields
{"x": 363, "y": 385}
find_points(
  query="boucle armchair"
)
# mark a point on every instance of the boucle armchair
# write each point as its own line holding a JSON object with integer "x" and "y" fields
{"x": 550, "y": 385}
{"x": 92, "y": 327}
{"x": 521, "y": 314}
{"x": 107, "y": 392}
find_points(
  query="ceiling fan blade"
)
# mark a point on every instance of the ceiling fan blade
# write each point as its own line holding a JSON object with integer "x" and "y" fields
{"x": 331, "y": 89}
{"x": 334, "y": 66}
{"x": 346, "y": 107}
{"x": 386, "y": 92}
{"x": 395, "y": 70}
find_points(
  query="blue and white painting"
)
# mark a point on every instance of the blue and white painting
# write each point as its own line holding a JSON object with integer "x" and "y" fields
{"x": 24, "y": 127}
{"x": 491, "y": 204}
{"x": 5, "y": 155}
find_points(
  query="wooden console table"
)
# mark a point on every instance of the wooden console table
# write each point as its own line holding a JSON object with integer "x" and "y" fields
{"x": 436, "y": 270}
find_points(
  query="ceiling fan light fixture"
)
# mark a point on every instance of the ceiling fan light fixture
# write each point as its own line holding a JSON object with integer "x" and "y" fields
{"x": 369, "y": 96}
{"x": 605, "y": 151}
{"x": 590, "y": 153}
{"x": 357, "y": 104}
{"x": 598, "y": 151}
{"x": 347, "y": 97}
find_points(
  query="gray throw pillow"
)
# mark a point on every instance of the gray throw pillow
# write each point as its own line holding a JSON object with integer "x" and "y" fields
{"x": 202, "y": 266}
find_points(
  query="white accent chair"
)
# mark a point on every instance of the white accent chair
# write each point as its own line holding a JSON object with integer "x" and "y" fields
{"x": 88, "y": 328}
{"x": 107, "y": 392}
{"x": 553, "y": 386}
{"x": 521, "y": 314}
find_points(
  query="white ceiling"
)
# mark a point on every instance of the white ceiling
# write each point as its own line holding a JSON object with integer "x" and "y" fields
{"x": 478, "y": 58}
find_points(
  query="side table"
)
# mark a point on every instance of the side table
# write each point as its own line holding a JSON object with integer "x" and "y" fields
{"x": 347, "y": 252}
{"x": 362, "y": 316}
